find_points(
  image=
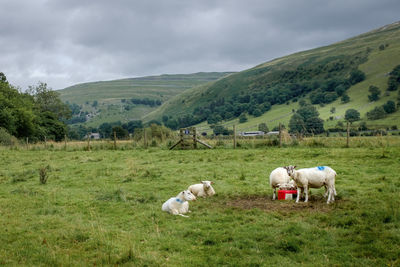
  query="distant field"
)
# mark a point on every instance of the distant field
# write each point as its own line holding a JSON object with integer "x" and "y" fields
{"x": 109, "y": 94}
{"x": 103, "y": 207}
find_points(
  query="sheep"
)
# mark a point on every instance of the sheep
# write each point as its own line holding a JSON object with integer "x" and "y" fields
{"x": 202, "y": 190}
{"x": 179, "y": 205}
{"x": 314, "y": 178}
{"x": 278, "y": 177}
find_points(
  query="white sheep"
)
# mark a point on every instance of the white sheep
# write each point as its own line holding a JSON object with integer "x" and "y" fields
{"x": 202, "y": 190}
{"x": 314, "y": 178}
{"x": 179, "y": 205}
{"x": 278, "y": 177}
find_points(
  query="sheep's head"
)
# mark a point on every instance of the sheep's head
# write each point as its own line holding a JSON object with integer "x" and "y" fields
{"x": 187, "y": 195}
{"x": 206, "y": 184}
{"x": 290, "y": 170}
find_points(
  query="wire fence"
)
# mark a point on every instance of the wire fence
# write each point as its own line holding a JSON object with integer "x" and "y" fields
{"x": 351, "y": 136}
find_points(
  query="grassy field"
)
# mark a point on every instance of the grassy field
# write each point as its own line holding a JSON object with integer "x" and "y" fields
{"x": 103, "y": 207}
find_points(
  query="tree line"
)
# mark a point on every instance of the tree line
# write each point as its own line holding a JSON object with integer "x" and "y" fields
{"x": 261, "y": 88}
{"x": 36, "y": 114}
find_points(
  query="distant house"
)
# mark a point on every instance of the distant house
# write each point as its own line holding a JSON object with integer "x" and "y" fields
{"x": 273, "y": 133}
{"x": 95, "y": 136}
{"x": 252, "y": 133}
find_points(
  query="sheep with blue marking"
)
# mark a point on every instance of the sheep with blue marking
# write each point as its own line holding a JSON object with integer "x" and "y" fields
{"x": 314, "y": 178}
{"x": 179, "y": 205}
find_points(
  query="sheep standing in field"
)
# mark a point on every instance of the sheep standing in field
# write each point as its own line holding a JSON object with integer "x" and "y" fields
{"x": 314, "y": 178}
{"x": 278, "y": 177}
{"x": 204, "y": 189}
{"x": 179, "y": 205}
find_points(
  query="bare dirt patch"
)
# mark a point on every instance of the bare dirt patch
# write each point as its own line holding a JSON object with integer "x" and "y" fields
{"x": 265, "y": 203}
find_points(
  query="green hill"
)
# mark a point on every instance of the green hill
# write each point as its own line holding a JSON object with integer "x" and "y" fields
{"x": 110, "y": 101}
{"x": 320, "y": 76}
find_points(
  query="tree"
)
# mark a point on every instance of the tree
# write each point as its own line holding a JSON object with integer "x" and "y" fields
{"x": 376, "y": 113}
{"x": 345, "y": 98}
{"x": 394, "y": 79}
{"x": 257, "y": 112}
{"x": 306, "y": 120}
{"x": 242, "y": 118}
{"x": 374, "y": 93}
{"x": 356, "y": 76}
{"x": 263, "y": 127}
{"x": 389, "y": 107}
{"x": 352, "y": 115}
{"x": 296, "y": 124}
{"x": 48, "y": 100}
{"x": 120, "y": 132}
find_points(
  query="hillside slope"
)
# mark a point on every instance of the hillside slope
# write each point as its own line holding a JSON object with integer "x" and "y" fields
{"x": 286, "y": 80}
{"x": 109, "y": 101}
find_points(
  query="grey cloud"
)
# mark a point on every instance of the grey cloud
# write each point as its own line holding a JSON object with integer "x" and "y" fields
{"x": 63, "y": 42}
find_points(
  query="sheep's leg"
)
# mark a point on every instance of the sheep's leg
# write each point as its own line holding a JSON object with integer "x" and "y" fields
{"x": 183, "y": 215}
{"x": 298, "y": 194}
{"x": 329, "y": 196}
{"x": 326, "y": 191}
{"x": 306, "y": 192}
{"x": 174, "y": 211}
{"x": 334, "y": 190}
{"x": 274, "y": 196}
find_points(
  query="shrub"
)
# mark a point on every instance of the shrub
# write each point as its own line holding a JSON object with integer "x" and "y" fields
{"x": 389, "y": 107}
{"x": 7, "y": 139}
{"x": 376, "y": 113}
{"x": 374, "y": 93}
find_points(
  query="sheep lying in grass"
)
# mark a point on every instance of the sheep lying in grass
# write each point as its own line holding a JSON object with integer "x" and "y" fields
{"x": 179, "y": 205}
{"x": 314, "y": 178}
{"x": 202, "y": 190}
{"x": 278, "y": 177}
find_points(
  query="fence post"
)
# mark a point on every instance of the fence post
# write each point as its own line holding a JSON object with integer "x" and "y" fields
{"x": 144, "y": 138}
{"x": 115, "y": 140}
{"x": 348, "y": 135}
{"x": 234, "y": 136}
{"x": 45, "y": 142}
{"x": 280, "y": 135}
{"x": 27, "y": 143}
{"x": 88, "y": 143}
{"x": 65, "y": 142}
{"x": 194, "y": 137}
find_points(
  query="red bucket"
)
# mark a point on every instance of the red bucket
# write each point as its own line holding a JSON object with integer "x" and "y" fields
{"x": 286, "y": 194}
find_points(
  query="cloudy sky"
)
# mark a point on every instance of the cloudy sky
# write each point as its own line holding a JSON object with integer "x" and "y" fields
{"x": 64, "y": 42}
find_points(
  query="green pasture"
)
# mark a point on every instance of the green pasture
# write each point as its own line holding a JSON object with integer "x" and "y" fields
{"x": 103, "y": 207}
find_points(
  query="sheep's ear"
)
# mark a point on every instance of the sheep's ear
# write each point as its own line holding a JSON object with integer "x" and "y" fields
{"x": 211, "y": 182}
{"x": 294, "y": 167}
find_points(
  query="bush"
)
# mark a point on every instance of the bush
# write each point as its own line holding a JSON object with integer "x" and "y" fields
{"x": 7, "y": 139}
{"x": 374, "y": 93}
{"x": 356, "y": 76}
{"x": 376, "y": 113}
{"x": 389, "y": 107}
